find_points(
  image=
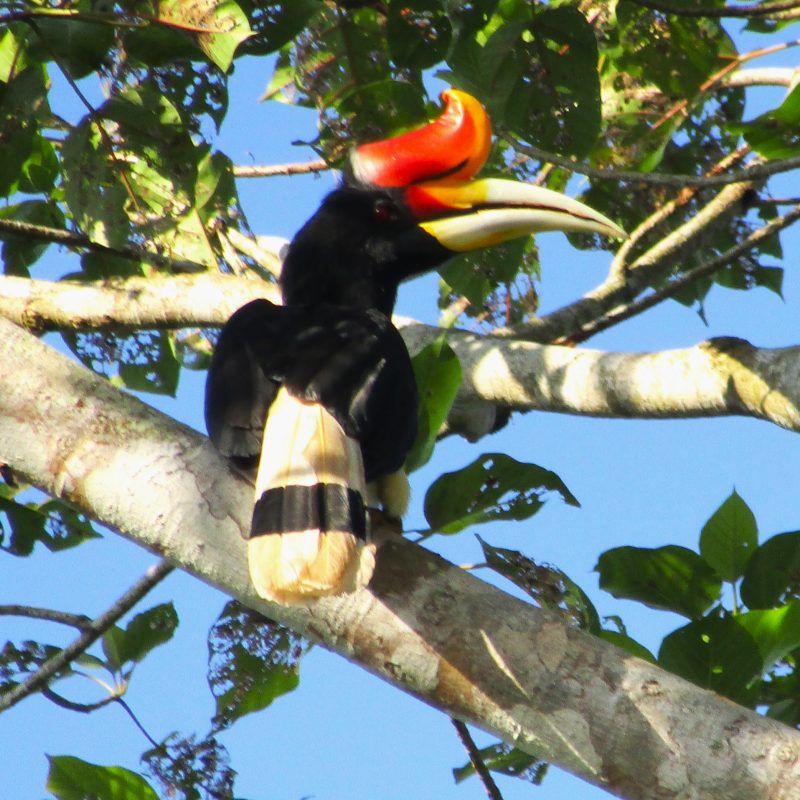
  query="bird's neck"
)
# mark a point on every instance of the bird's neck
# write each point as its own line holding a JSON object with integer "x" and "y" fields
{"x": 334, "y": 285}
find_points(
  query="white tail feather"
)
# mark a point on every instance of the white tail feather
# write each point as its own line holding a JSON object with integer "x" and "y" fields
{"x": 303, "y": 445}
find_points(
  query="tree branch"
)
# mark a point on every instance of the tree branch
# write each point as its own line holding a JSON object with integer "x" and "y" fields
{"x": 276, "y": 170}
{"x": 621, "y": 287}
{"x": 156, "y": 302}
{"x": 481, "y": 770}
{"x": 750, "y": 173}
{"x": 79, "y": 621}
{"x": 781, "y": 9}
{"x": 499, "y": 373}
{"x": 77, "y": 241}
{"x": 93, "y": 631}
{"x": 423, "y": 625}
{"x": 718, "y": 377}
{"x": 704, "y": 270}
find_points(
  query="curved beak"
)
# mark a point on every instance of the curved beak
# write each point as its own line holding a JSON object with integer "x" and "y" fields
{"x": 467, "y": 215}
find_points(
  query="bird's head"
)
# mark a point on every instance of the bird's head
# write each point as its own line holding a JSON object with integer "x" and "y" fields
{"x": 410, "y": 203}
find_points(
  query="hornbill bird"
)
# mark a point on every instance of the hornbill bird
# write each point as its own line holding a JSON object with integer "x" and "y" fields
{"x": 317, "y": 397}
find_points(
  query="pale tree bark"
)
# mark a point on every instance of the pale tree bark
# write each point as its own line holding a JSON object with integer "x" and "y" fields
{"x": 715, "y": 378}
{"x": 425, "y": 626}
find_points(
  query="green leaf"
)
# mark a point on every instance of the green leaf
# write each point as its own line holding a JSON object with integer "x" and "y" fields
{"x": 626, "y": 643}
{"x": 252, "y": 661}
{"x": 494, "y": 487}
{"x": 438, "y": 375}
{"x": 773, "y": 571}
{"x": 71, "y": 778}
{"x": 144, "y": 632}
{"x": 567, "y": 97}
{"x": 418, "y": 33}
{"x": 506, "y": 760}
{"x": 53, "y": 523}
{"x": 276, "y": 22}
{"x": 157, "y": 370}
{"x": 76, "y": 44}
{"x": 20, "y": 252}
{"x": 18, "y": 662}
{"x": 776, "y": 631}
{"x": 13, "y": 52}
{"x": 23, "y": 101}
{"x": 144, "y": 361}
{"x": 232, "y": 28}
{"x": 219, "y": 25}
{"x": 93, "y": 189}
{"x": 547, "y": 585}
{"x": 775, "y": 134}
{"x": 189, "y": 768}
{"x": 714, "y": 652}
{"x": 770, "y": 278}
{"x": 729, "y": 537}
{"x": 381, "y": 108}
{"x": 670, "y": 577}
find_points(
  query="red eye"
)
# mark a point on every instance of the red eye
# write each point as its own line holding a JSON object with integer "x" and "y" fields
{"x": 384, "y": 211}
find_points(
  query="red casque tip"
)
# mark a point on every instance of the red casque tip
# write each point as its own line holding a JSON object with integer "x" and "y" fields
{"x": 455, "y": 145}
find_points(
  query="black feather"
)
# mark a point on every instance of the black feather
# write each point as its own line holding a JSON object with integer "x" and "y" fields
{"x": 353, "y": 362}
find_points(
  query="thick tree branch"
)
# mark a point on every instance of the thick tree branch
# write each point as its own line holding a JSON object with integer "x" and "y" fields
{"x": 180, "y": 301}
{"x": 423, "y": 625}
{"x": 719, "y": 377}
{"x": 712, "y": 379}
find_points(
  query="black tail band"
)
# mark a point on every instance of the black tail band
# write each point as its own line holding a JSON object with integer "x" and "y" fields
{"x": 323, "y": 507}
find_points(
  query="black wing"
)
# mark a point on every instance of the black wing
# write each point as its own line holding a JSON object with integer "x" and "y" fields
{"x": 353, "y": 362}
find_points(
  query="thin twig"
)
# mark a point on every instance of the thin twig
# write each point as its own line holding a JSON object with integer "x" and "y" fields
{"x": 275, "y": 170}
{"x": 93, "y": 631}
{"x": 79, "y": 621}
{"x": 71, "y": 705}
{"x": 492, "y": 792}
{"x": 706, "y": 269}
{"x": 136, "y": 722}
{"x": 761, "y": 170}
{"x": 44, "y": 233}
{"x": 754, "y": 10}
{"x": 661, "y": 214}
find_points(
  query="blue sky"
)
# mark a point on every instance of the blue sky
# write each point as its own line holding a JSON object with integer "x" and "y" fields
{"x": 344, "y": 734}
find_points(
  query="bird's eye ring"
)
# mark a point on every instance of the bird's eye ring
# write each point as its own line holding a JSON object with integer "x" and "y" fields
{"x": 384, "y": 211}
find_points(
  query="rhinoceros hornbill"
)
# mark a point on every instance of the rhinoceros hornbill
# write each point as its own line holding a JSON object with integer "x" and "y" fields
{"x": 317, "y": 396}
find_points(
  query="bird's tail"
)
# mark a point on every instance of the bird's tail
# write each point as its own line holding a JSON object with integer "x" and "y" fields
{"x": 309, "y": 535}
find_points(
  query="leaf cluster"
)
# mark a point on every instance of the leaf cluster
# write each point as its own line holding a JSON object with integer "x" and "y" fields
{"x": 132, "y": 166}
{"x": 742, "y": 599}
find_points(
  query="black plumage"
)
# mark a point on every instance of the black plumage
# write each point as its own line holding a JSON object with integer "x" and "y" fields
{"x": 319, "y": 394}
{"x": 332, "y": 345}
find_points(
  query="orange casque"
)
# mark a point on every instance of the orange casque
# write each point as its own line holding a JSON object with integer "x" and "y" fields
{"x": 453, "y": 147}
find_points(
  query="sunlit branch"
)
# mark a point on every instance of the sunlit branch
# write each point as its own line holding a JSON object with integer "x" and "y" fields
{"x": 704, "y": 270}
{"x": 276, "y": 170}
{"x": 663, "y": 212}
{"x": 168, "y": 302}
